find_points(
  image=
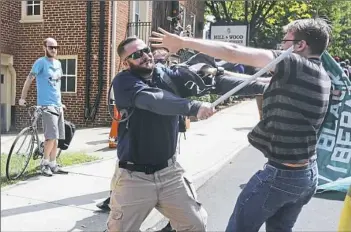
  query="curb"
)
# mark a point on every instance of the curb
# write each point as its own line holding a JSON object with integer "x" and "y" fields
{"x": 156, "y": 221}
{"x": 66, "y": 168}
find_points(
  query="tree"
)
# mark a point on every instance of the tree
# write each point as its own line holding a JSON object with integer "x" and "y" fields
{"x": 234, "y": 11}
{"x": 270, "y": 31}
{"x": 341, "y": 26}
{"x": 266, "y": 19}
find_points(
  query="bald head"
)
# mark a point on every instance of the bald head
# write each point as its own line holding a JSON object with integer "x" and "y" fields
{"x": 50, "y": 42}
{"x": 50, "y": 47}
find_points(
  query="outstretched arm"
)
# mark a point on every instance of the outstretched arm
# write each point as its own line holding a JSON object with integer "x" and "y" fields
{"x": 226, "y": 83}
{"x": 222, "y": 50}
{"x": 223, "y": 83}
{"x": 181, "y": 81}
{"x": 130, "y": 91}
{"x": 165, "y": 103}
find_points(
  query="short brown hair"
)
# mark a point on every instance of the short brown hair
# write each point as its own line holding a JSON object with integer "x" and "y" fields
{"x": 315, "y": 32}
{"x": 120, "y": 48}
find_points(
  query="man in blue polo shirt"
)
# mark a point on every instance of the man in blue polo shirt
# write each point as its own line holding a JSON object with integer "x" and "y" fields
{"x": 148, "y": 175}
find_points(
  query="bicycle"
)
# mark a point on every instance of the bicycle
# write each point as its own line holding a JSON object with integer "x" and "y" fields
{"x": 30, "y": 132}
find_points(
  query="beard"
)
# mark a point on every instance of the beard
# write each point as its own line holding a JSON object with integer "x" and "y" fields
{"x": 144, "y": 72}
{"x": 47, "y": 53}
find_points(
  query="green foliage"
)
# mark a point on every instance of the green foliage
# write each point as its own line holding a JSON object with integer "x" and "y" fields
{"x": 66, "y": 159}
{"x": 266, "y": 19}
{"x": 206, "y": 98}
{"x": 340, "y": 16}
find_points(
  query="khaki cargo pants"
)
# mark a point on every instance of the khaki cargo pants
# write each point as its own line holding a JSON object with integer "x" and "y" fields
{"x": 135, "y": 194}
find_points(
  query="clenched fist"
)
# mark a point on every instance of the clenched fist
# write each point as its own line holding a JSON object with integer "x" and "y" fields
{"x": 206, "y": 110}
{"x": 22, "y": 102}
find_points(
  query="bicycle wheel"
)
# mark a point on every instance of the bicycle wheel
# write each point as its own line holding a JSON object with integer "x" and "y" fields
{"x": 17, "y": 160}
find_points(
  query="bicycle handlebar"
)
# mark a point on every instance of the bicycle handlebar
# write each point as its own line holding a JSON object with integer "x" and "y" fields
{"x": 39, "y": 110}
{"x": 29, "y": 107}
{"x": 32, "y": 106}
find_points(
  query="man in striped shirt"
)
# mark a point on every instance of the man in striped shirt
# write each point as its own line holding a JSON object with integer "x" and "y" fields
{"x": 294, "y": 105}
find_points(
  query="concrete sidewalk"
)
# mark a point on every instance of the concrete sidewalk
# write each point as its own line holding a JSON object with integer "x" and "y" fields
{"x": 67, "y": 202}
{"x": 91, "y": 140}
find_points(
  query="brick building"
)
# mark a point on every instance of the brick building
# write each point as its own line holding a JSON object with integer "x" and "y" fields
{"x": 87, "y": 33}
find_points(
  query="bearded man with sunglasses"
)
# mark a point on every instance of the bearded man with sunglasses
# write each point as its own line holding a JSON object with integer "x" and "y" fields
{"x": 47, "y": 72}
{"x": 147, "y": 174}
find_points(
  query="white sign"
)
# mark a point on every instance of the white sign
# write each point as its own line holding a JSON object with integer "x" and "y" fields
{"x": 230, "y": 33}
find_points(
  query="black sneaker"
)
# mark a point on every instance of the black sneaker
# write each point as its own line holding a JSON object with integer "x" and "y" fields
{"x": 104, "y": 205}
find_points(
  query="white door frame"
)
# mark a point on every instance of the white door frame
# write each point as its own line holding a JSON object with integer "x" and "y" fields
{"x": 143, "y": 14}
{"x": 6, "y": 63}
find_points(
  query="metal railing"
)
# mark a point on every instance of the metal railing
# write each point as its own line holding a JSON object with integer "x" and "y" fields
{"x": 139, "y": 29}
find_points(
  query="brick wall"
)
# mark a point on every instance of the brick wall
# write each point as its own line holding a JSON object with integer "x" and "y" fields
{"x": 122, "y": 21}
{"x": 66, "y": 22}
{"x": 8, "y": 27}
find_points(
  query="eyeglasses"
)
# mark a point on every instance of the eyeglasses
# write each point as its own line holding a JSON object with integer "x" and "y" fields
{"x": 138, "y": 54}
{"x": 52, "y": 47}
{"x": 292, "y": 40}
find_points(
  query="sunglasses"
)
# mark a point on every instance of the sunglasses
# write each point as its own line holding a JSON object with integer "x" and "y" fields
{"x": 138, "y": 54}
{"x": 52, "y": 47}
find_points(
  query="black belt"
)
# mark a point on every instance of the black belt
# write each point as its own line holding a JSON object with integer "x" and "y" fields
{"x": 147, "y": 169}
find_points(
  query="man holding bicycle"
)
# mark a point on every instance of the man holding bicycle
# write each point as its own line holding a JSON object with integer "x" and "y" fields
{"x": 47, "y": 72}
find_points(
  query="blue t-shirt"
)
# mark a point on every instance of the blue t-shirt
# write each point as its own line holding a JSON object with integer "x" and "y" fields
{"x": 48, "y": 75}
{"x": 146, "y": 138}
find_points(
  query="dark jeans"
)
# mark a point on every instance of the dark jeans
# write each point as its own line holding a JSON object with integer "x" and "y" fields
{"x": 274, "y": 196}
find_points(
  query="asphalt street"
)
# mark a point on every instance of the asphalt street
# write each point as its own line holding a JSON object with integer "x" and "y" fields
{"x": 219, "y": 195}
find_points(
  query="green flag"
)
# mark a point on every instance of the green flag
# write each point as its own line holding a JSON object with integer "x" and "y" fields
{"x": 334, "y": 142}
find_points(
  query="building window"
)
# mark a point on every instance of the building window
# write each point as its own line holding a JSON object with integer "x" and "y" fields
{"x": 32, "y": 11}
{"x": 69, "y": 71}
{"x": 33, "y": 8}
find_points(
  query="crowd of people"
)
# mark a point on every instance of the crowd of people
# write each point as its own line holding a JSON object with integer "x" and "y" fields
{"x": 345, "y": 65}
